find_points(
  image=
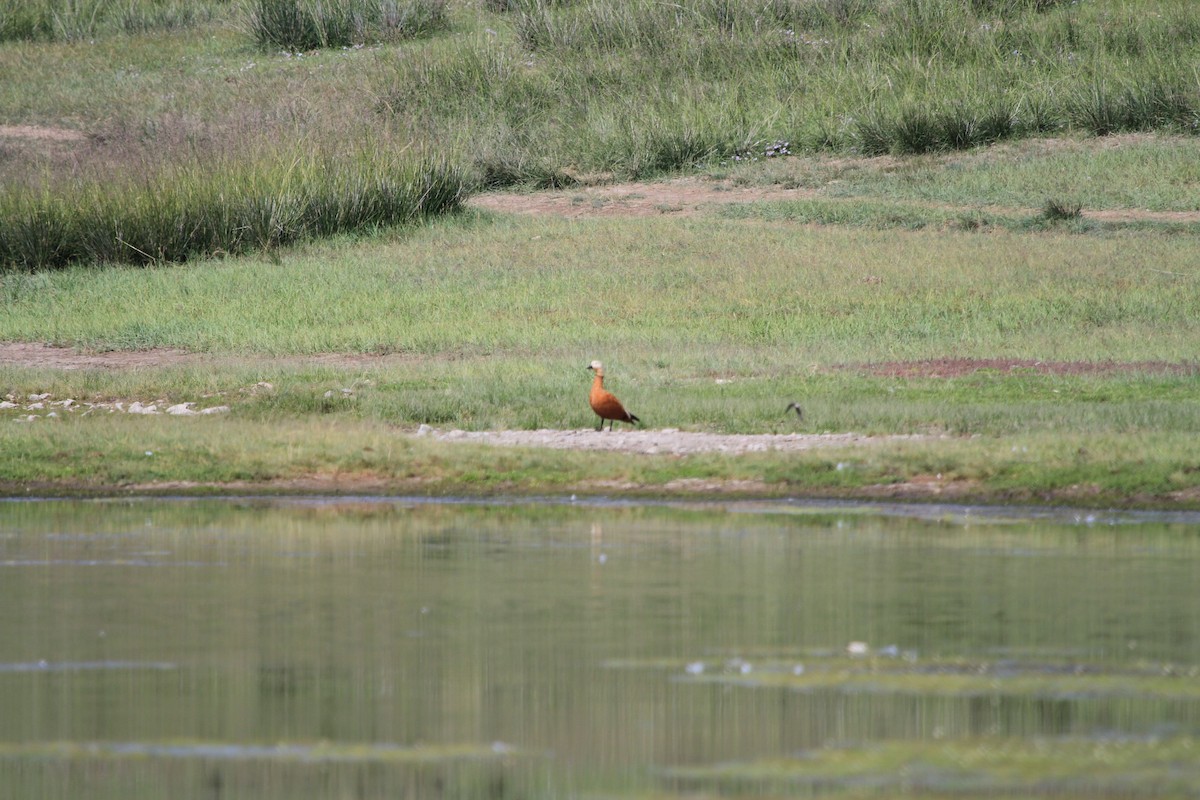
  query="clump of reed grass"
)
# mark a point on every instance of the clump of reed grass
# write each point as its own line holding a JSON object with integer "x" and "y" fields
{"x": 51, "y": 20}
{"x": 194, "y": 210}
{"x": 299, "y": 25}
{"x": 820, "y": 14}
{"x": 958, "y": 74}
{"x": 516, "y": 168}
{"x": 141, "y": 18}
{"x": 1156, "y": 103}
{"x": 75, "y": 20}
{"x": 914, "y": 129}
{"x": 666, "y": 148}
{"x": 1060, "y": 210}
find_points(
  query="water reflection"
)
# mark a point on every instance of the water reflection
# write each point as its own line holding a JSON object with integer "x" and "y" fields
{"x": 383, "y": 648}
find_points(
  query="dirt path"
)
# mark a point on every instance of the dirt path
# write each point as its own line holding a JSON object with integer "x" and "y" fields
{"x": 666, "y": 441}
{"x": 36, "y": 354}
{"x": 680, "y": 196}
{"x": 39, "y": 355}
{"x": 692, "y": 196}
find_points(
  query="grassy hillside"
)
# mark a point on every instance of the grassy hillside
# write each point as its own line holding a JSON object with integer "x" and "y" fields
{"x": 194, "y": 116}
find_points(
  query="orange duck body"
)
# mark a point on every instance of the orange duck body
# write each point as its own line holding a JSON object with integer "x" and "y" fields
{"x": 606, "y": 406}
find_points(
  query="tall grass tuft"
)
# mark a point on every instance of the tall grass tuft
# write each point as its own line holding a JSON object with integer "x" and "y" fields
{"x": 194, "y": 211}
{"x": 301, "y": 25}
{"x": 1059, "y": 210}
{"x": 702, "y": 78}
{"x": 1152, "y": 104}
{"x": 914, "y": 129}
{"x": 820, "y": 14}
{"x": 661, "y": 147}
{"x": 77, "y": 20}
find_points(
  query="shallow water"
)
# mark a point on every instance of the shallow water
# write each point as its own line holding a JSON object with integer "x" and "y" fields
{"x": 394, "y": 648}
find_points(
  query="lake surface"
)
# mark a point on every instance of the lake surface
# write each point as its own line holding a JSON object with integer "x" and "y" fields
{"x": 382, "y": 648}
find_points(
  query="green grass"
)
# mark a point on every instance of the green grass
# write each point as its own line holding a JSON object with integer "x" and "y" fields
{"x": 199, "y": 213}
{"x": 705, "y": 325}
{"x": 547, "y": 94}
{"x": 1160, "y": 174}
{"x": 996, "y": 766}
{"x": 288, "y": 24}
{"x": 497, "y": 392}
{"x": 650, "y": 290}
{"x": 77, "y": 20}
{"x": 290, "y": 187}
{"x": 312, "y": 453}
{"x": 298, "y": 25}
{"x": 1055, "y": 215}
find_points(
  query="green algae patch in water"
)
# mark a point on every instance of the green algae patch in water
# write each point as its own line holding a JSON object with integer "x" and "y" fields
{"x": 1159, "y": 768}
{"x": 318, "y": 752}
{"x": 964, "y": 678}
{"x": 905, "y": 673}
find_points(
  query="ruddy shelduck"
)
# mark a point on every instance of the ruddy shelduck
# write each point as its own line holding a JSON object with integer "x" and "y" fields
{"x": 604, "y": 404}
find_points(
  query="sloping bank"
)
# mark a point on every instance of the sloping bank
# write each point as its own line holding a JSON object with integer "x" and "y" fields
{"x": 100, "y": 451}
{"x": 192, "y": 210}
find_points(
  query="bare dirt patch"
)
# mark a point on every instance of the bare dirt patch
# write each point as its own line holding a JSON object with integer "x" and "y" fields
{"x": 795, "y": 178}
{"x": 693, "y": 196}
{"x": 667, "y": 441}
{"x": 41, "y": 134}
{"x": 39, "y": 355}
{"x": 29, "y": 144}
{"x": 677, "y": 197}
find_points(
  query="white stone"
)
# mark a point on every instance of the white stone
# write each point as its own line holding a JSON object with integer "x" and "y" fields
{"x": 181, "y": 410}
{"x": 214, "y": 410}
{"x": 7, "y": 404}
